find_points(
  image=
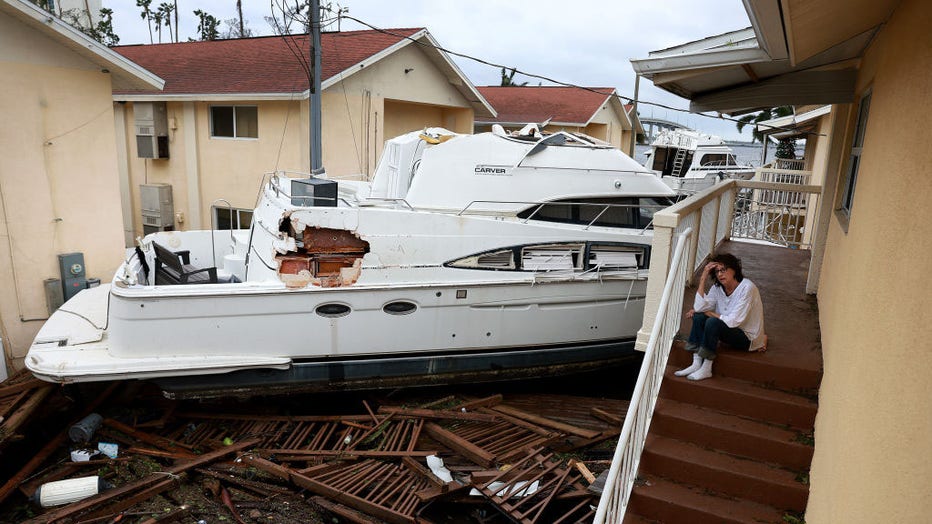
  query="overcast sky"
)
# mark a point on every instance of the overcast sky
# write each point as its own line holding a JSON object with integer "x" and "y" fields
{"x": 586, "y": 43}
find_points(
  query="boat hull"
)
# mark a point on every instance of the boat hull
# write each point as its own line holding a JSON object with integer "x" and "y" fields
{"x": 400, "y": 371}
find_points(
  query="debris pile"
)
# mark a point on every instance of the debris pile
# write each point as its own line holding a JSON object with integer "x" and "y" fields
{"x": 519, "y": 459}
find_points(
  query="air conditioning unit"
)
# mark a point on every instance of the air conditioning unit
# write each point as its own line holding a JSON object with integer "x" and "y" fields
{"x": 158, "y": 210}
{"x": 151, "y": 122}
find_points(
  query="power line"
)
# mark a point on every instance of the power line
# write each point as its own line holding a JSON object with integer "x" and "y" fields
{"x": 553, "y": 80}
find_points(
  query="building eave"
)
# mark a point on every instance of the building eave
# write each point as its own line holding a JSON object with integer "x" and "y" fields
{"x": 125, "y": 73}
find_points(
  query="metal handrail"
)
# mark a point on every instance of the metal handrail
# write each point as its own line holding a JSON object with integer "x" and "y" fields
{"x": 623, "y": 471}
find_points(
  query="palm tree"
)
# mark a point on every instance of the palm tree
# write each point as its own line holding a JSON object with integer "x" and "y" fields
{"x": 762, "y": 116}
{"x": 508, "y": 78}
{"x": 146, "y": 14}
{"x": 165, "y": 9}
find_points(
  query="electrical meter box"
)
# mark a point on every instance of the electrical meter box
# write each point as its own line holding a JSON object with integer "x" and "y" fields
{"x": 313, "y": 192}
{"x": 73, "y": 275}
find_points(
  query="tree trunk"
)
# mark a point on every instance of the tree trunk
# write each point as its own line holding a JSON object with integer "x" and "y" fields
{"x": 239, "y": 10}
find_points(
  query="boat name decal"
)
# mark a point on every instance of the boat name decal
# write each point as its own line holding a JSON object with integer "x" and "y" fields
{"x": 492, "y": 170}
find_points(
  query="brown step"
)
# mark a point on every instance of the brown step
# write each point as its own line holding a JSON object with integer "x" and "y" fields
{"x": 631, "y": 518}
{"x": 731, "y": 434}
{"x": 670, "y": 502}
{"x": 741, "y": 398}
{"x": 688, "y": 463}
{"x": 754, "y": 367}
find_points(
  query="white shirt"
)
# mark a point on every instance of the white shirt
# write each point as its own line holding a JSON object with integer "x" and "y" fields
{"x": 742, "y": 309}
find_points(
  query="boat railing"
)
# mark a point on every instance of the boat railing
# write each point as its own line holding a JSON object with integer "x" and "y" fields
{"x": 627, "y": 457}
{"x": 728, "y": 210}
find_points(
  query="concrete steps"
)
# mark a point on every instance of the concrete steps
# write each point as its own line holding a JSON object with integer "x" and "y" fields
{"x": 724, "y": 474}
{"x": 729, "y": 448}
{"x": 739, "y": 397}
{"x": 731, "y": 434}
{"x": 662, "y": 500}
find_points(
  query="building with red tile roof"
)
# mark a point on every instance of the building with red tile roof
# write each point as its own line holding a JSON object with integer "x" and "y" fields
{"x": 231, "y": 110}
{"x": 595, "y": 111}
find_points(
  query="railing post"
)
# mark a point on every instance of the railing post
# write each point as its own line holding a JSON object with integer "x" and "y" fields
{"x": 693, "y": 248}
{"x": 660, "y": 251}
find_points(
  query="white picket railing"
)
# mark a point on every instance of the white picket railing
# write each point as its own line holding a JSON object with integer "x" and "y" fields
{"x": 685, "y": 235}
{"x": 624, "y": 468}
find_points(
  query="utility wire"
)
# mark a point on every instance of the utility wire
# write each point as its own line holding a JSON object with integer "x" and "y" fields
{"x": 553, "y": 80}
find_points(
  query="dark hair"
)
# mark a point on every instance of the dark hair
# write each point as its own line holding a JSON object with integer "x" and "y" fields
{"x": 729, "y": 261}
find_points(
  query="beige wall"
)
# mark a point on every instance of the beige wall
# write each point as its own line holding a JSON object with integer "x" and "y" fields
{"x": 58, "y": 175}
{"x": 358, "y": 114}
{"x": 874, "y": 426}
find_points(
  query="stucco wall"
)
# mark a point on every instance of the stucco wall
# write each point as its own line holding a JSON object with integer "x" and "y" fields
{"x": 873, "y": 428}
{"x": 58, "y": 175}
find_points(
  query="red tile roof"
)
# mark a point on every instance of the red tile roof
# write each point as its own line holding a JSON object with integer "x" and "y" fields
{"x": 567, "y": 105}
{"x": 254, "y": 65}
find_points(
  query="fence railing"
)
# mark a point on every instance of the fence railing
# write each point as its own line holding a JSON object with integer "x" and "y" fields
{"x": 789, "y": 163}
{"x": 624, "y": 468}
{"x": 685, "y": 235}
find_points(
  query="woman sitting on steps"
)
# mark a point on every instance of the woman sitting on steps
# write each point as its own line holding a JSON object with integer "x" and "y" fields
{"x": 730, "y": 311}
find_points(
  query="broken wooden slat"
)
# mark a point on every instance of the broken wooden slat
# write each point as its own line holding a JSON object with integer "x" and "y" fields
{"x": 485, "y": 402}
{"x": 292, "y": 455}
{"x": 438, "y": 414}
{"x": 546, "y": 422}
{"x": 345, "y": 512}
{"x": 601, "y": 414}
{"x": 24, "y": 411}
{"x": 145, "y": 494}
{"x": 364, "y": 486}
{"x": 153, "y": 478}
{"x": 581, "y": 467}
{"x": 153, "y": 440}
{"x": 459, "y": 445}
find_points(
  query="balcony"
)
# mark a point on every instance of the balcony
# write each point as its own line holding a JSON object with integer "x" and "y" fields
{"x": 736, "y": 447}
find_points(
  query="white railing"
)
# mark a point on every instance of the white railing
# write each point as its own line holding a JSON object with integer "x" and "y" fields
{"x": 797, "y": 164}
{"x": 697, "y": 225}
{"x": 624, "y": 468}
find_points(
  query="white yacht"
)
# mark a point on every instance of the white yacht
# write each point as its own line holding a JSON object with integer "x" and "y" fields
{"x": 690, "y": 161}
{"x": 467, "y": 256}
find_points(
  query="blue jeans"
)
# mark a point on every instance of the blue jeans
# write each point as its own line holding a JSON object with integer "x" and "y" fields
{"x": 708, "y": 331}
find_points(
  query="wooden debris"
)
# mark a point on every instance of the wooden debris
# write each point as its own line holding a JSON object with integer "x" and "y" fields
{"x": 438, "y": 414}
{"x": 460, "y": 445}
{"x": 153, "y": 478}
{"x": 546, "y": 422}
{"x": 607, "y": 417}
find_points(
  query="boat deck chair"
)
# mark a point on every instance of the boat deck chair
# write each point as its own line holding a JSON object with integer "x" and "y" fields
{"x": 174, "y": 267}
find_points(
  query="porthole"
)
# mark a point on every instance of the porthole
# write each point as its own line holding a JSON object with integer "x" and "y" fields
{"x": 333, "y": 310}
{"x": 399, "y": 307}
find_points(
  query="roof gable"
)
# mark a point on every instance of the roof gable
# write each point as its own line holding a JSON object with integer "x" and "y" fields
{"x": 124, "y": 73}
{"x": 263, "y": 65}
{"x": 559, "y": 104}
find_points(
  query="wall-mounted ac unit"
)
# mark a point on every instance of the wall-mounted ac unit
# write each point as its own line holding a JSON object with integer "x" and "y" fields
{"x": 158, "y": 210}
{"x": 151, "y": 122}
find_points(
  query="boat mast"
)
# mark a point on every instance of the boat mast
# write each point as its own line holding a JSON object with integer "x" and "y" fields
{"x": 317, "y": 165}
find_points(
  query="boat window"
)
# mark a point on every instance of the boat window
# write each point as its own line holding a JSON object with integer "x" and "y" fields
{"x": 333, "y": 310}
{"x": 606, "y": 212}
{"x": 713, "y": 159}
{"x": 399, "y": 307}
{"x": 504, "y": 259}
{"x": 615, "y": 257}
{"x": 552, "y": 257}
{"x": 648, "y": 206}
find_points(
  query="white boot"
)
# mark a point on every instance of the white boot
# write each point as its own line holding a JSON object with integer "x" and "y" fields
{"x": 704, "y": 371}
{"x": 697, "y": 363}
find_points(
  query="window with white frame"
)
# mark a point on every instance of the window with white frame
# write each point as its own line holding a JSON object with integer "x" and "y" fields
{"x": 234, "y": 121}
{"x": 854, "y": 160}
{"x": 231, "y": 218}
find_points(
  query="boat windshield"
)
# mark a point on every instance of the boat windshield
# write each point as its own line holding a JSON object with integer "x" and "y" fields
{"x": 628, "y": 212}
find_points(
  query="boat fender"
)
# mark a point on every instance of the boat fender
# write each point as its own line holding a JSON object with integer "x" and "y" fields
{"x": 67, "y": 491}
